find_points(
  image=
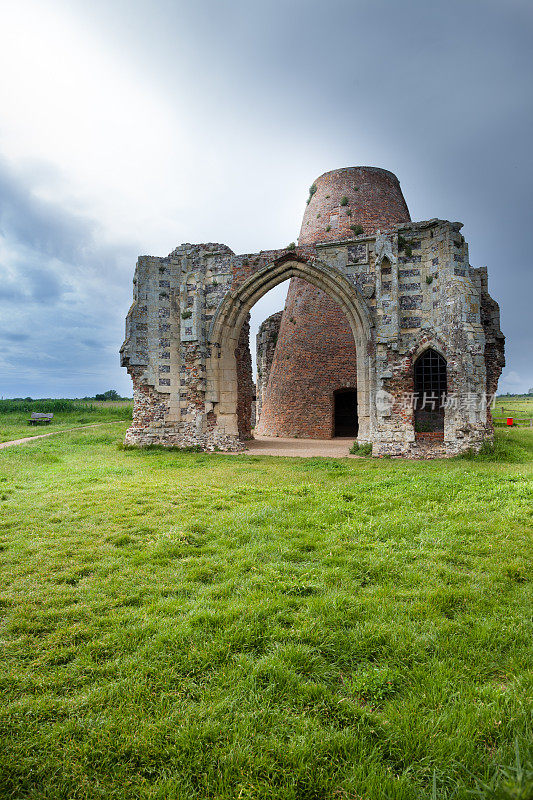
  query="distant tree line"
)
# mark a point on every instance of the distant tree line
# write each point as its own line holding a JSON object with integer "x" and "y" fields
{"x": 515, "y": 394}
{"x": 111, "y": 394}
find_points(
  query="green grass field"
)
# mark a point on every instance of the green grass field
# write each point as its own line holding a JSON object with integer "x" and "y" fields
{"x": 14, "y": 422}
{"x": 519, "y": 408}
{"x": 205, "y": 626}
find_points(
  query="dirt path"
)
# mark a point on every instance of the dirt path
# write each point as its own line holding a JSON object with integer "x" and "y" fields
{"x": 54, "y": 433}
{"x": 299, "y": 448}
{"x": 260, "y": 446}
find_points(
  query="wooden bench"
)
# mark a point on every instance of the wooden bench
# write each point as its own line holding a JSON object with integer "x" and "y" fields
{"x": 40, "y": 419}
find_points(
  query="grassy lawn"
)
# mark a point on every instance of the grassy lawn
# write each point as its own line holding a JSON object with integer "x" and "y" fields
{"x": 515, "y": 404}
{"x": 520, "y": 408}
{"x": 14, "y": 424}
{"x": 205, "y": 626}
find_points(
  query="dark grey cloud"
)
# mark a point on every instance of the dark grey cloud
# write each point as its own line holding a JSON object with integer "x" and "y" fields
{"x": 10, "y": 336}
{"x": 42, "y": 226}
{"x": 438, "y": 92}
{"x": 63, "y": 296}
{"x": 36, "y": 284}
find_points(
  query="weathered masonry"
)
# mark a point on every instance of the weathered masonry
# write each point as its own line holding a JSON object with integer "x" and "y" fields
{"x": 401, "y": 331}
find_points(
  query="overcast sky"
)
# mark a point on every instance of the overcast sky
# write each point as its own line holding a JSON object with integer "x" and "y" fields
{"x": 130, "y": 126}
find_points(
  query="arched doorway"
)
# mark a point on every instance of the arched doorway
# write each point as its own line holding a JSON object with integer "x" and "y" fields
{"x": 430, "y": 385}
{"x": 222, "y": 386}
{"x": 314, "y": 355}
{"x": 345, "y": 422}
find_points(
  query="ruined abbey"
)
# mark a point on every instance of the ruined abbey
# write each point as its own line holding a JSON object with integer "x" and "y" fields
{"x": 388, "y": 336}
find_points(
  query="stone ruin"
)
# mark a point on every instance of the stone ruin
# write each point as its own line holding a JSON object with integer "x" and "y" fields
{"x": 388, "y": 334}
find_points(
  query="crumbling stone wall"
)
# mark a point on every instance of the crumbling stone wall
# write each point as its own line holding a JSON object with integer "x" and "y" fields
{"x": 402, "y": 289}
{"x": 494, "y": 352}
{"x": 266, "y": 340}
{"x": 245, "y": 383}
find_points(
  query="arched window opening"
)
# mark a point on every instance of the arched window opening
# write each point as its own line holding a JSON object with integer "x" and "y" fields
{"x": 430, "y": 384}
{"x": 386, "y": 267}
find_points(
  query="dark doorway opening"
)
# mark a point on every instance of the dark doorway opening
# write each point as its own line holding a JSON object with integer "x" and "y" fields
{"x": 345, "y": 413}
{"x": 430, "y": 392}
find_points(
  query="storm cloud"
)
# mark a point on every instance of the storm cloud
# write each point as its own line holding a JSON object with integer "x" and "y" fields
{"x": 59, "y": 285}
{"x": 130, "y": 127}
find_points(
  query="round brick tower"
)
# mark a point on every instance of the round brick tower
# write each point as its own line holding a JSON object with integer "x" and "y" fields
{"x": 344, "y": 199}
{"x": 314, "y": 365}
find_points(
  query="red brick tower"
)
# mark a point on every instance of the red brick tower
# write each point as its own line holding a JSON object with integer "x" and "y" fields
{"x": 343, "y": 199}
{"x": 315, "y": 356}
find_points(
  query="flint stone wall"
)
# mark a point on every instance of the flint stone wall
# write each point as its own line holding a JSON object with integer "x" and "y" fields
{"x": 266, "y": 341}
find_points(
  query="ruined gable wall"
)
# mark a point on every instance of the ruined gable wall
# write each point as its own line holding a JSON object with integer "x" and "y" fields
{"x": 418, "y": 289}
